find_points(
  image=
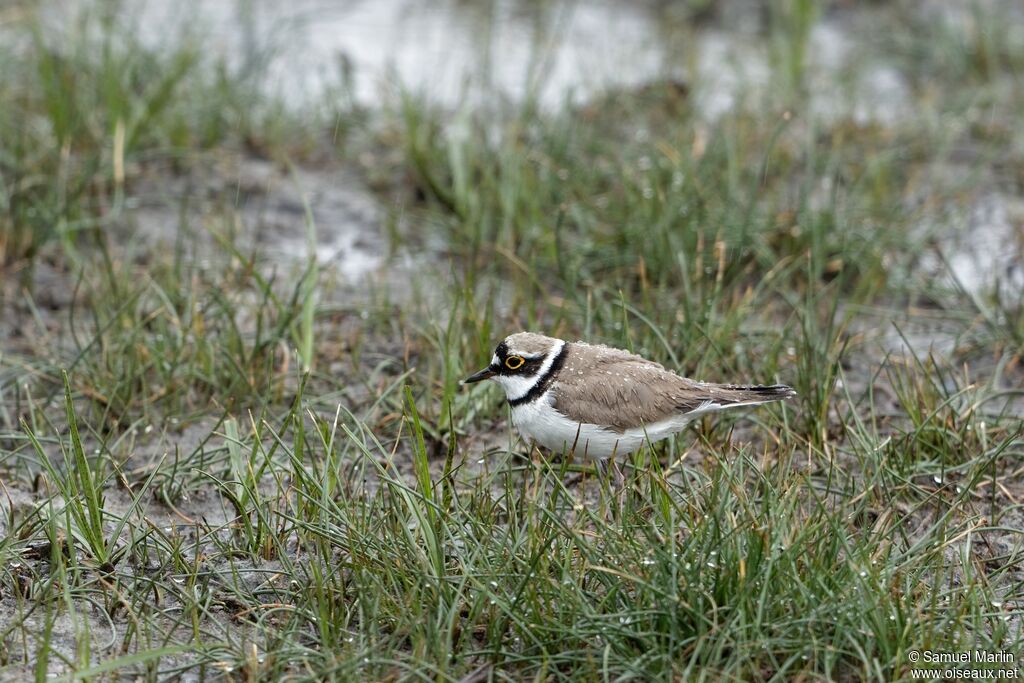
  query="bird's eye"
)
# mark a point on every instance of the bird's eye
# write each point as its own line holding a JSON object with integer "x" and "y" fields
{"x": 514, "y": 362}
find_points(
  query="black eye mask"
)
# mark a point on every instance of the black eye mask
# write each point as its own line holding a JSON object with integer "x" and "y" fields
{"x": 526, "y": 366}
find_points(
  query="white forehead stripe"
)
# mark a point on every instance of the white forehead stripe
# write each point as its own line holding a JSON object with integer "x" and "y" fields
{"x": 524, "y": 354}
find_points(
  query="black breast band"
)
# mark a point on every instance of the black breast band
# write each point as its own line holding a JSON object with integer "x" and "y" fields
{"x": 544, "y": 381}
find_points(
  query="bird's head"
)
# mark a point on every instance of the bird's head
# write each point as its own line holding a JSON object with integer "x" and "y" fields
{"x": 519, "y": 362}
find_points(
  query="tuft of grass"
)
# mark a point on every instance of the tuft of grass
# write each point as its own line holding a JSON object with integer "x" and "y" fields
{"x": 514, "y": 574}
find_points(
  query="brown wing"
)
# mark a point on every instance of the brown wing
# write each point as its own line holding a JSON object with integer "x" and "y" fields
{"x": 623, "y": 390}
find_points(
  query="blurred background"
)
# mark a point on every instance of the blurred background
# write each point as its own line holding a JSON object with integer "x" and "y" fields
{"x": 286, "y": 80}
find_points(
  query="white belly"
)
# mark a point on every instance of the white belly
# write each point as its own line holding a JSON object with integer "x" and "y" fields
{"x": 539, "y": 421}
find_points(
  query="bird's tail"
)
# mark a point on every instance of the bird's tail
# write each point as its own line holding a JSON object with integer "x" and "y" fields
{"x": 738, "y": 395}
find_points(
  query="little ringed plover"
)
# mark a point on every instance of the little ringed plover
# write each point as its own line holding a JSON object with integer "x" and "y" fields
{"x": 600, "y": 401}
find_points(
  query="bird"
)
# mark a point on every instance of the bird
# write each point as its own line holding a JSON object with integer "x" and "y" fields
{"x": 597, "y": 401}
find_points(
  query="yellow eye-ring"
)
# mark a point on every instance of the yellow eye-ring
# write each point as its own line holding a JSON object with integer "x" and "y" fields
{"x": 514, "y": 362}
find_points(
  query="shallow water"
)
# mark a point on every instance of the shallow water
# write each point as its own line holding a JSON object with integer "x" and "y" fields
{"x": 441, "y": 49}
{"x": 489, "y": 53}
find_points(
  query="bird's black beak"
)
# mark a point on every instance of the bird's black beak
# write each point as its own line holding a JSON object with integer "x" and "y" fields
{"x": 480, "y": 376}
